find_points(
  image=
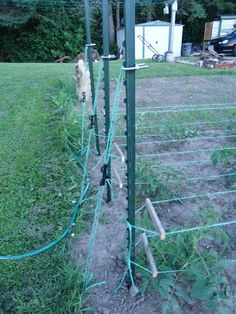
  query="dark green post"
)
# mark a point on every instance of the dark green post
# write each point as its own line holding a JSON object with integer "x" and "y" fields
{"x": 130, "y": 115}
{"x": 105, "y": 21}
{"x": 90, "y": 60}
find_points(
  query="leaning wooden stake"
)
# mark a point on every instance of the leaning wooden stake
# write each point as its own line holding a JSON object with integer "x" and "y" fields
{"x": 120, "y": 152}
{"x": 156, "y": 221}
{"x": 149, "y": 255}
{"x": 118, "y": 178}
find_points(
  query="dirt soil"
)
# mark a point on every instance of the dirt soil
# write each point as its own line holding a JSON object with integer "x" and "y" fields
{"x": 110, "y": 249}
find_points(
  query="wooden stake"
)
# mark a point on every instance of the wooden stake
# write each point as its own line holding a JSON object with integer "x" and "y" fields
{"x": 156, "y": 221}
{"x": 118, "y": 178}
{"x": 149, "y": 255}
{"x": 120, "y": 152}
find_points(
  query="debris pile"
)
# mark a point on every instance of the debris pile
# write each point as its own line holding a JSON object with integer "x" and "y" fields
{"x": 209, "y": 59}
{"x": 213, "y": 60}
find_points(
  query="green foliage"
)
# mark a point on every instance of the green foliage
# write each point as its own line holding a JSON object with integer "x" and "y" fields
{"x": 113, "y": 49}
{"x": 156, "y": 181}
{"x": 45, "y": 34}
{"x": 39, "y": 181}
{"x": 224, "y": 157}
{"x": 13, "y": 17}
{"x": 194, "y": 13}
{"x": 226, "y": 160}
{"x": 192, "y": 10}
{"x": 200, "y": 257}
{"x": 50, "y": 283}
{"x": 179, "y": 132}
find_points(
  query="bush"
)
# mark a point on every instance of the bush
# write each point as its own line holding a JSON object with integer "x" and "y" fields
{"x": 45, "y": 37}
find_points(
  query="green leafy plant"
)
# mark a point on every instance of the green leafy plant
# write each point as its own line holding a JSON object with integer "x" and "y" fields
{"x": 199, "y": 257}
{"x": 156, "y": 181}
{"x": 226, "y": 161}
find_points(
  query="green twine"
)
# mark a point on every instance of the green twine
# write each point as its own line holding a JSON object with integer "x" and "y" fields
{"x": 162, "y": 272}
{"x": 99, "y": 198}
{"x": 156, "y": 234}
{"x": 206, "y": 132}
{"x": 194, "y": 196}
{"x": 150, "y": 109}
{"x": 196, "y": 139}
{"x": 186, "y": 198}
{"x": 209, "y": 178}
{"x": 114, "y": 115}
{"x": 93, "y": 237}
{"x": 183, "y": 110}
{"x": 187, "y": 152}
{"x": 186, "y": 124}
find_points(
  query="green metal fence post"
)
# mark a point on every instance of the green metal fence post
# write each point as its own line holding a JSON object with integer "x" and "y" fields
{"x": 105, "y": 21}
{"x": 90, "y": 60}
{"x": 130, "y": 116}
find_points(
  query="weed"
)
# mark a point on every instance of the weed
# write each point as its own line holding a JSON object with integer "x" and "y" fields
{"x": 226, "y": 160}
{"x": 103, "y": 219}
{"x": 156, "y": 181}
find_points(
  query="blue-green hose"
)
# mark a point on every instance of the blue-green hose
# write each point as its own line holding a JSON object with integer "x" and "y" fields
{"x": 62, "y": 236}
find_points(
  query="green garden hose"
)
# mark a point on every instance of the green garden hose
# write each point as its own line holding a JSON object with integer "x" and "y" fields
{"x": 65, "y": 232}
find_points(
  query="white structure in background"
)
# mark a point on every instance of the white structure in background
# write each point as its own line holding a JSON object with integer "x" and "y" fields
{"x": 221, "y": 26}
{"x": 170, "y": 56}
{"x": 157, "y": 34}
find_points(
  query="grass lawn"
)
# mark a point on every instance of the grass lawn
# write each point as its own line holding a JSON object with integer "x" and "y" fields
{"x": 38, "y": 184}
{"x": 37, "y": 188}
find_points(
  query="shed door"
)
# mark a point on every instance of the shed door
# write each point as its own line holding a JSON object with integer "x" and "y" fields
{"x": 158, "y": 38}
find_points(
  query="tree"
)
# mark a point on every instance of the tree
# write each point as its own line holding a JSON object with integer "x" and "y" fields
{"x": 118, "y": 15}
{"x": 111, "y": 25}
{"x": 13, "y": 14}
{"x": 37, "y": 32}
{"x": 194, "y": 13}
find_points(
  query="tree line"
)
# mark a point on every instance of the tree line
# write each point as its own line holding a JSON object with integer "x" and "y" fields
{"x": 45, "y": 30}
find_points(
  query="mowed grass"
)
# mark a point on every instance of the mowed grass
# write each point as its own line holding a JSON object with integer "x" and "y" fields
{"x": 37, "y": 188}
{"x": 164, "y": 69}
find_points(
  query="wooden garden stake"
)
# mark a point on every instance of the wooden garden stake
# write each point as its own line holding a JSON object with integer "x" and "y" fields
{"x": 149, "y": 255}
{"x": 156, "y": 221}
{"x": 120, "y": 152}
{"x": 118, "y": 178}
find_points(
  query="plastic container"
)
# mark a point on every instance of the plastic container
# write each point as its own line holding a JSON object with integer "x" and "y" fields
{"x": 186, "y": 49}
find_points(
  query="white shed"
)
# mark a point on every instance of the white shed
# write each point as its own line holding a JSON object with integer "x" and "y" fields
{"x": 157, "y": 34}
